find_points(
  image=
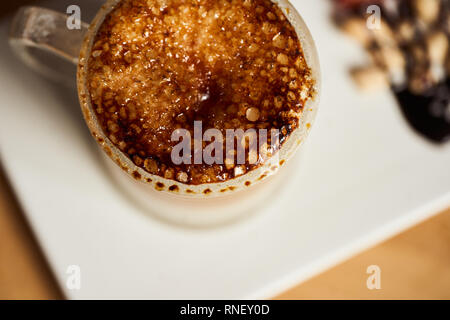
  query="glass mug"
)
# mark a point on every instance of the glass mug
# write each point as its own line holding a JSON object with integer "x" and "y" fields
{"x": 42, "y": 29}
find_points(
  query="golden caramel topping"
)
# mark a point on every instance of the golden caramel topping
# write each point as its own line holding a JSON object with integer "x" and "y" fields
{"x": 159, "y": 65}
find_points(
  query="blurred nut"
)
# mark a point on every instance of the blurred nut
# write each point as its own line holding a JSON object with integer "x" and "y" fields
{"x": 447, "y": 22}
{"x": 394, "y": 61}
{"x": 406, "y": 31}
{"x": 357, "y": 28}
{"x": 384, "y": 36}
{"x": 419, "y": 54}
{"x": 437, "y": 72}
{"x": 370, "y": 78}
{"x": 420, "y": 81}
{"x": 437, "y": 47}
{"x": 427, "y": 10}
{"x": 447, "y": 66}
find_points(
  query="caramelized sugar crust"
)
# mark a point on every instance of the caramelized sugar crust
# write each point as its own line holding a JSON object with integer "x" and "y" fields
{"x": 159, "y": 65}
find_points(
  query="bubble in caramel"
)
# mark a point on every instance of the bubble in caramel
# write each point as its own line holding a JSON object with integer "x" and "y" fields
{"x": 157, "y": 66}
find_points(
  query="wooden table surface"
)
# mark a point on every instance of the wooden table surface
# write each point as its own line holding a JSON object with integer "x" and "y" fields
{"x": 414, "y": 264}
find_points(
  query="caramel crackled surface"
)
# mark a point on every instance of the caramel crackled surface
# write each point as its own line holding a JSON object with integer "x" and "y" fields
{"x": 159, "y": 65}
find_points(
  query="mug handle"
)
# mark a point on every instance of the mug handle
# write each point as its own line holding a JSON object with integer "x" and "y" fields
{"x": 46, "y": 30}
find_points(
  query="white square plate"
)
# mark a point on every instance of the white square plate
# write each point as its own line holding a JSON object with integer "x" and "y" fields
{"x": 364, "y": 177}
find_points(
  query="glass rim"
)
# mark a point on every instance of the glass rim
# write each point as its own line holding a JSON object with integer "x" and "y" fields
{"x": 253, "y": 177}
